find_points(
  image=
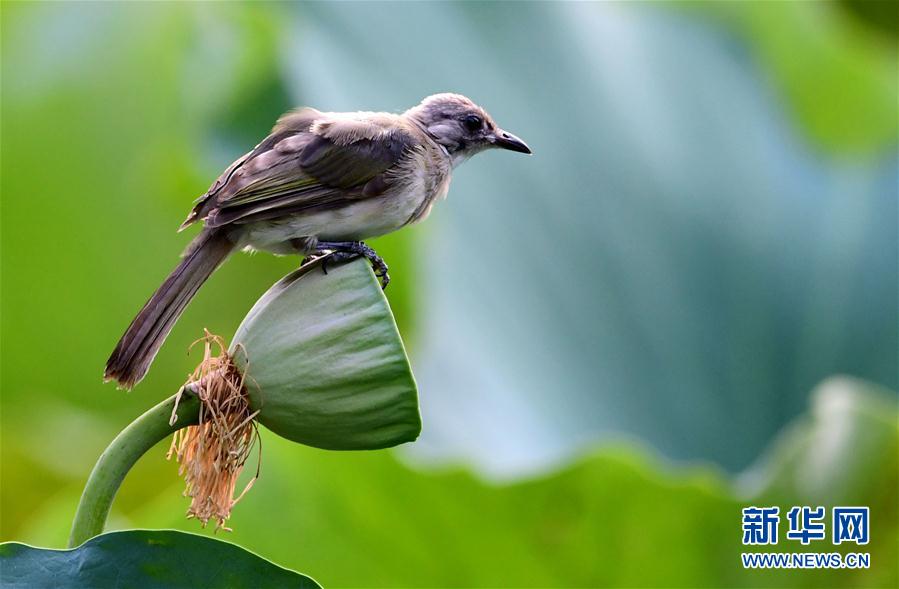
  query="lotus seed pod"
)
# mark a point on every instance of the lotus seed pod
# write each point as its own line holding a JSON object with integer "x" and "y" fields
{"x": 324, "y": 362}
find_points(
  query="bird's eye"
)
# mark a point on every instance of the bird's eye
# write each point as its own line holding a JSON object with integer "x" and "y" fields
{"x": 472, "y": 123}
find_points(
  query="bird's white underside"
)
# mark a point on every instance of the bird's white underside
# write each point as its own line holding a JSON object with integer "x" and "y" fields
{"x": 406, "y": 203}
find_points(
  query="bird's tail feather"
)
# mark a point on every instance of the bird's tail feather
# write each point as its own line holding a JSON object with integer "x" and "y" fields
{"x": 136, "y": 350}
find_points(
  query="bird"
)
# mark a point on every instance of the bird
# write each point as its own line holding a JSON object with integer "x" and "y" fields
{"x": 319, "y": 183}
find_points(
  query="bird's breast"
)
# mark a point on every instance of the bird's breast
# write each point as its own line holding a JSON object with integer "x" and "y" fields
{"x": 424, "y": 178}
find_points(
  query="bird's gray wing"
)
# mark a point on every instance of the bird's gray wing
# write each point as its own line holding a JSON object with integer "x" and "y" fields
{"x": 289, "y": 124}
{"x": 316, "y": 162}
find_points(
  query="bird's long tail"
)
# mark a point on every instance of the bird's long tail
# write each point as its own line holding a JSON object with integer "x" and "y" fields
{"x": 134, "y": 353}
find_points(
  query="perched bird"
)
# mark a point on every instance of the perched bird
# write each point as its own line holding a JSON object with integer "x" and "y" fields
{"x": 319, "y": 183}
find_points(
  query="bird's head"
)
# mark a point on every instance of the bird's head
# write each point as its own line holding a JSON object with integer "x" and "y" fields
{"x": 462, "y": 127}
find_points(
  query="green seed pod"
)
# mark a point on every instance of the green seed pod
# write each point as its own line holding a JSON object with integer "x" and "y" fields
{"x": 324, "y": 362}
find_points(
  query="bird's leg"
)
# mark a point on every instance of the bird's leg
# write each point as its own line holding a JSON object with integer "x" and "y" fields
{"x": 309, "y": 258}
{"x": 307, "y": 247}
{"x": 348, "y": 250}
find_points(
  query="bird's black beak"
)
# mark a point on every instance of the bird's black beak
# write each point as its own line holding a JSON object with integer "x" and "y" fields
{"x": 506, "y": 140}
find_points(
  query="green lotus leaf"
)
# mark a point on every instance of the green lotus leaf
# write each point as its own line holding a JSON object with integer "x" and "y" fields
{"x": 325, "y": 363}
{"x": 144, "y": 558}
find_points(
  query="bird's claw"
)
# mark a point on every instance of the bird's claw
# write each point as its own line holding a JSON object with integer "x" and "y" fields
{"x": 311, "y": 258}
{"x": 350, "y": 250}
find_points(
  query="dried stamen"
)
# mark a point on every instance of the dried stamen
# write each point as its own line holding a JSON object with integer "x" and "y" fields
{"x": 212, "y": 454}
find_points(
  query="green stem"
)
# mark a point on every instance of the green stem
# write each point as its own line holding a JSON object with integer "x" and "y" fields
{"x": 109, "y": 472}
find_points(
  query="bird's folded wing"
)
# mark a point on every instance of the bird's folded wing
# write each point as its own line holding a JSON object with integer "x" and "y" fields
{"x": 311, "y": 161}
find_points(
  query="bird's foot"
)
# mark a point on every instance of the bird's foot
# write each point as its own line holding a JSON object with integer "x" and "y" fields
{"x": 308, "y": 248}
{"x": 311, "y": 258}
{"x": 349, "y": 250}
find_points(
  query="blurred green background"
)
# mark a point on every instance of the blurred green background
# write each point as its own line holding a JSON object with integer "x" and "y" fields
{"x": 620, "y": 341}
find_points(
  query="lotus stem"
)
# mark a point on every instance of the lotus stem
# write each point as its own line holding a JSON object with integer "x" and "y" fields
{"x": 133, "y": 442}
